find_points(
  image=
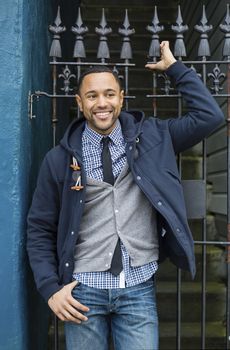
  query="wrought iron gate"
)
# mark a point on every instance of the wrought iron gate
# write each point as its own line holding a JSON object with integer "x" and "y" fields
{"x": 214, "y": 74}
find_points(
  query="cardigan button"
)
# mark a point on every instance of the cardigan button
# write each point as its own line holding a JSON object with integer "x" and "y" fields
{"x": 67, "y": 264}
{"x": 159, "y": 203}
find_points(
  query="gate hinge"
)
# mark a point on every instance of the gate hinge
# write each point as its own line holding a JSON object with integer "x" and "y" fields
{"x": 31, "y": 98}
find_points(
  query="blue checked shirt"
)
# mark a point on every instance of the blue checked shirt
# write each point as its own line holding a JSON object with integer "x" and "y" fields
{"x": 91, "y": 150}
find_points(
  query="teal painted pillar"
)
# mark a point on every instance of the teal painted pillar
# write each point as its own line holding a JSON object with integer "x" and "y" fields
{"x": 23, "y": 67}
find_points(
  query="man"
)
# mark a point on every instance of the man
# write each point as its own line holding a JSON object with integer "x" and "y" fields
{"x": 94, "y": 245}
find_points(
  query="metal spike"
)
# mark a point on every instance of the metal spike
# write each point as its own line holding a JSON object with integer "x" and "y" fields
{"x": 179, "y": 28}
{"x": 203, "y": 28}
{"x": 126, "y": 31}
{"x": 155, "y": 28}
{"x": 56, "y": 30}
{"x": 103, "y": 30}
{"x": 79, "y": 30}
{"x": 126, "y": 23}
{"x": 103, "y": 22}
{"x": 204, "y": 20}
{"x": 179, "y": 17}
{"x": 57, "y": 21}
{"x": 226, "y": 29}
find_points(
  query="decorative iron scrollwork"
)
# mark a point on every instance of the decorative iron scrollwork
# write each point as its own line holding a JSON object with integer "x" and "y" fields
{"x": 194, "y": 69}
{"x": 125, "y": 30}
{"x": 216, "y": 75}
{"x": 167, "y": 83}
{"x": 66, "y": 75}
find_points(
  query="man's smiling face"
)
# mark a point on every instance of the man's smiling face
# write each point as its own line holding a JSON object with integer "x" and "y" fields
{"x": 100, "y": 99}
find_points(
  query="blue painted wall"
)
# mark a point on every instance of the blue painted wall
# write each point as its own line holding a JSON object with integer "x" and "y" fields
{"x": 23, "y": 67}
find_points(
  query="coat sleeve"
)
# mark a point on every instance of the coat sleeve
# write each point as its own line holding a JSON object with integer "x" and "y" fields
{"x": 204, "y": 114}
{"x": 42, "y": 232}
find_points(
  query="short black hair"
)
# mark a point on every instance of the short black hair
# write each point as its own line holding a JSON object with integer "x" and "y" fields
{"x": 97, "y": 69}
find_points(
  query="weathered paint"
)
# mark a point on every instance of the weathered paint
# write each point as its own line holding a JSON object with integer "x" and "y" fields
{"x": 24, "y": 55}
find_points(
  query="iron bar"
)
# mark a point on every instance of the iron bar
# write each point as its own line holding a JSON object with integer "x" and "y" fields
{"x": 126, "y": 51}
{"x": 81, "y": 63}
{"x": 204, "y": 238}
{"x": 176, "y": 96}
{"x": 228, "y": 216}
{"x": 179, "y": 281}
{"x": 212, "y": 243}
{"x": 179, "y": 52}
{"x": 226, "y": 53}
{"x": 203, "y": 51}
{"x": 42, "y": 93}
{"x": 154, "y": 100}
{"x": 55, "y": 52}
{"x": 54, "y": 105}
{"x": 154, "y": 52}
{"x": 200, "y": 62}
{"x": 56, "y": 333}
{"x": 78, "y": 76}
{"x": 178, "y": 323}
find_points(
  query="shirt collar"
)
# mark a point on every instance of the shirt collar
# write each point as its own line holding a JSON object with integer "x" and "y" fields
{"x": 95, "y": 138}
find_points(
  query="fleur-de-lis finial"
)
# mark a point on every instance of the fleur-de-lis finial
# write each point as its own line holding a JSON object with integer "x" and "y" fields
{"x": 226, "y": 29}
{"x": 216, "y": 75}
{"x": 79, "y": 30}
{"x": 126, "y": 31}
{"x": 103, "y": 30}
{"x": 67, "y": 76}
{"x": 56, "y": 29}
{"x": 179, "y": 28}
{"x": 155, "y": 28}
{"x": 203, "y": 28}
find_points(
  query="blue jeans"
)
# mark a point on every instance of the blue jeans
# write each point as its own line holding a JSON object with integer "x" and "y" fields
{"x": 128, "y": 313}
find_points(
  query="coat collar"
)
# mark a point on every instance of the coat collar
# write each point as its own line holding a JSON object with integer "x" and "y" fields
{"x": 131, "y": 124}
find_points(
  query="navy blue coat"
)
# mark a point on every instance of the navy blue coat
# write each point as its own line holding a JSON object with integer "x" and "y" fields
{"x": 151, "y": 145}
